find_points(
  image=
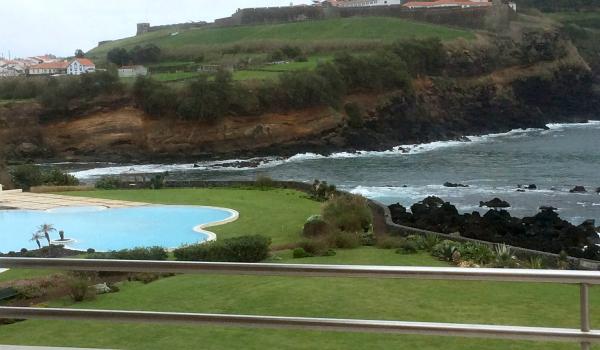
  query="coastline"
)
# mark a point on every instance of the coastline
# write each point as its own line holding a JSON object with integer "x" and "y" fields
{"x": 274, "y": 160}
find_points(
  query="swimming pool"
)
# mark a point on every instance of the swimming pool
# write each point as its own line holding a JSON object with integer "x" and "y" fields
{"x": 105, "y": 229}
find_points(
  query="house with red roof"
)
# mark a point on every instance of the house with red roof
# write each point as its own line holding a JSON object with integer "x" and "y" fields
{"x": 81, "y": 66}
{"x": 49, "y": 68}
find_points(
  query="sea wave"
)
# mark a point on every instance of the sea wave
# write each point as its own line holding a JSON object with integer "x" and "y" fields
{"x": 271, "y": 162}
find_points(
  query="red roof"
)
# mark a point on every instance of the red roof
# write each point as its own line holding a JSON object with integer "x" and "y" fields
{"x": 85, "y": 62}
{"x": 51, "y": 65}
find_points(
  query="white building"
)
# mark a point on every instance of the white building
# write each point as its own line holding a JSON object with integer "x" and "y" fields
{"x": 50, "y": 68}
{"x": 81, "y": 66}
{"x": 132, "y": 71}
{"x": 365, "y": 3}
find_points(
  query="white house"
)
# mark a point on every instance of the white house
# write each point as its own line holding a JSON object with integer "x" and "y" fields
{"x": 50, "y": 68}
{"x": 81, "y": 66}
{"x": 365, "y": 3}
{"x": 132, "y": 71}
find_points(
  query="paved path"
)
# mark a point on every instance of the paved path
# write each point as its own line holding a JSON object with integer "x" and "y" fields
{"x": 45, "y": 201}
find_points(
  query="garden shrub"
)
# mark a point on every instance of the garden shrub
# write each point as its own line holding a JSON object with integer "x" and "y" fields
{"x": 56, "y": 177}
{"x": 315, "y": 226}
{"x": 238, "y": 249}
{"x": 27, "y": 176}
{"x": 445, "y": 250}
{"x": 322, "y": 191}
{"x": 140, "y": 253}
{"x": 345, "y": 240}
{"x": 157, "y": 182}
{"x": 300, "y": 253}
{"x": 315, "y": 247}
{"x": 429, "y": 242}
{"x": 108, "y": 183}
{"x": 79, "y": 285}
{"x": 388, "y": 242}
{"x": 348, "y": 213}
{"x": 478, "y": 253}
{"x": 408, "y": 246}
{"x": 264, "y": 182}
{"x": 503, "y": 257}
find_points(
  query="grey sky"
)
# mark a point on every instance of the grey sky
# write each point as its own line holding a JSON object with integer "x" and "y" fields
{"x": 35, "y": 27}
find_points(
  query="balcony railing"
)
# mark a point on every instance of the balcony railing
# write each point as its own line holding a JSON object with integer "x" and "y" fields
{"x": 584, "y": 335}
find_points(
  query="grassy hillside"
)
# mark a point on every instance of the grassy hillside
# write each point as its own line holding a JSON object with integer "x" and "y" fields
{"x": 335, "y": 31}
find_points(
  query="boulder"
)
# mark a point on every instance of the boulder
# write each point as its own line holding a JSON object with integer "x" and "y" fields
{"x": 578, "y": 189}
{"x": 453, "y": 185}
{"x": 598, "y": 190}
{"x": 495, "y": 203}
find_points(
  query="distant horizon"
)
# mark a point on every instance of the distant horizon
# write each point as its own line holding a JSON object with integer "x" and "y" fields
{"x": 34, "y": 28}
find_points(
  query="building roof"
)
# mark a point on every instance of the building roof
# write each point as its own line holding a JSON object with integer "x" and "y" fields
{"x": 84, "y": 62}
{"x": 51, "y": 65}
{"x": 440, "y": 3}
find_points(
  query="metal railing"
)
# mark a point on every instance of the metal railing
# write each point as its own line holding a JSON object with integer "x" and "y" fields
{"x": 585, "y": 335}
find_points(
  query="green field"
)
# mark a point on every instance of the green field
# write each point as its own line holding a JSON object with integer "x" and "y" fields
{"x": 334, "y": 31}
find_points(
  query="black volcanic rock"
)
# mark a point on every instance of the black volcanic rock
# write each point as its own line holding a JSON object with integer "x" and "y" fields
{"x": 495, "y": 203}
{"x": 578, "y": 189}
{"x": 453, "y": 185}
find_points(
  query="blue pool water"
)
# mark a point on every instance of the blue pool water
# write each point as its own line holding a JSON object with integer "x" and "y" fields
{"x": 110, "y": 229}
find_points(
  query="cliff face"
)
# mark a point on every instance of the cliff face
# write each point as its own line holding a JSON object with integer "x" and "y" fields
{"x": 525, "y": 78}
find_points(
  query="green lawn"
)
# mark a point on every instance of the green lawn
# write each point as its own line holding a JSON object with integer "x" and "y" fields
{"x": 197, "y": 41}
{"x": 279, "y": 214}
{"x": 21, "y": 274}
{"x": 436, "y": 301}
{"x": 166, "y": 77}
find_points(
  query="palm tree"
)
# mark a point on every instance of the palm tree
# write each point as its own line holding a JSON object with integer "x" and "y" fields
{"x": 45, "y": 230}
{"x": 36, "y": 237}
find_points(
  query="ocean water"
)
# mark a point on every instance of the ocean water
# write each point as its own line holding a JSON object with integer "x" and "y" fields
{"x": 555, "y": 159}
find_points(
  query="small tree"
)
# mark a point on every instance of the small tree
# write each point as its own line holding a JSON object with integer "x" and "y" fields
{"x": 79, "y": 53}
{"x": 45, "y": 230}
{"x": 35, "y": 237}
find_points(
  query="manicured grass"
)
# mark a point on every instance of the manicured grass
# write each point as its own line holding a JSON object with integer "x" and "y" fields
{"x": 437, "y": 301}
{"x": 277, "y": 213}
{"x": 378, "y": 29}
{"x": 175, "y": 76}
{"x": 22, "y": 274}
{"x": 254, "y": 75}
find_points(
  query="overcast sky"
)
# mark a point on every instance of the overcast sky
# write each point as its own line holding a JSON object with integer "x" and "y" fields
{"x": 35, "y": 27}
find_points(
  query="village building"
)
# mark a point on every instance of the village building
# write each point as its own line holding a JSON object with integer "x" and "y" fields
{"x": 447, "y": 4}
{"x": 364, "y": 3}
{"x": 81, "y": 66}
{"x": 132, "y": 71}
{"x": 50, "y": 68}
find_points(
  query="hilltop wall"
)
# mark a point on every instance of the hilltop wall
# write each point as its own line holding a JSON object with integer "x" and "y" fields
{"x": 468, "y": 17}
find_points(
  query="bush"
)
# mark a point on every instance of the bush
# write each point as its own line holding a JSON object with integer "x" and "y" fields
{"x": 355, "y": 115}
{"x": 322, "y": 191}
{"x": 315, "y": 226}
{"x": 345, "y": 240}
{"x": 300, "y": 253}
{"x": 348, "y": 213}
{"x": 56, "y": 177}
{"x": 503, "y": 257}
{"x": 79, "y": 284}
{"x": 389, "y": 242}
{"x": 149, "y": 253}
{"x": 27, "y": 176}
{"x": 478, "y": 253}
{"x": 238, "y": 249}
{"x": 315, "y": 247}
{"x": 408, "y": 246}
{"x": 108, "y": 183}
{"x": 157, "y": 182}
{"x": 264, "y": 182}
{"x": 445, "y": 250}
{"x": 429, "y": 242}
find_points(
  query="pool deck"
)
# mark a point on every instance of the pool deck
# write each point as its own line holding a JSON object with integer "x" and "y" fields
{"x": 45, "y": 201}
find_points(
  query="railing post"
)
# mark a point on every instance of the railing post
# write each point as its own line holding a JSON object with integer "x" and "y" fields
{"x": 584, "y": 299}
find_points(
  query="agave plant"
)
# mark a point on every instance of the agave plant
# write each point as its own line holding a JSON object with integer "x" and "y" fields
{"x": 536, "y": 262}
{"x": 503, "y": 256}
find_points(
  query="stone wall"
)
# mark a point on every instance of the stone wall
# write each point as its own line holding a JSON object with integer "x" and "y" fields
{"x": 468, "y": 17}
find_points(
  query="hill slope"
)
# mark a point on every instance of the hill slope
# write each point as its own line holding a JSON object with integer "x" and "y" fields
{"x": 356, "y": 29}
